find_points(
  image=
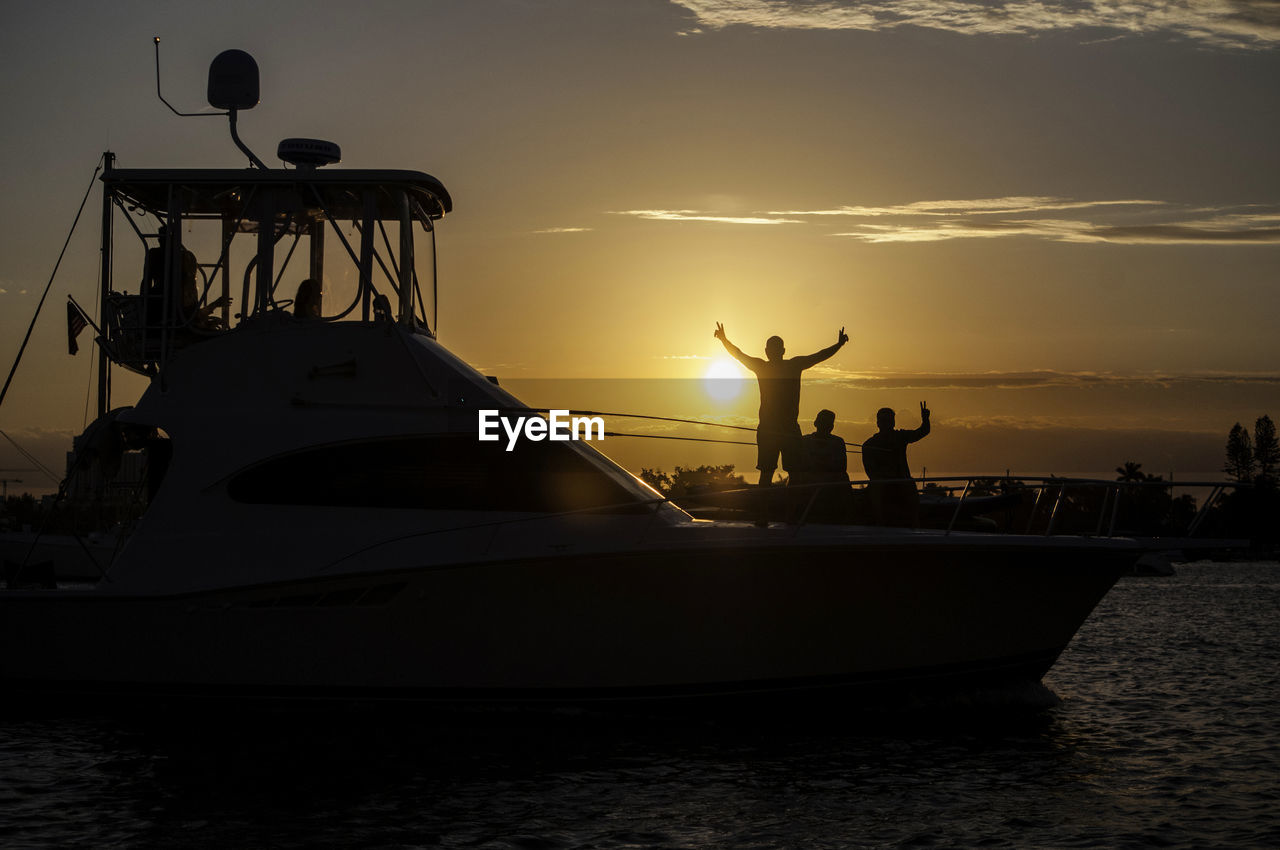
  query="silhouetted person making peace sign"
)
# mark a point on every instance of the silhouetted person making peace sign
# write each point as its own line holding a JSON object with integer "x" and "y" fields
{"x": 779, "y": 430}
{"x": 894, "y": 500}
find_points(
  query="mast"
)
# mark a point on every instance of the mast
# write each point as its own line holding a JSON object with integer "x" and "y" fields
{"x": 104, "y": 362}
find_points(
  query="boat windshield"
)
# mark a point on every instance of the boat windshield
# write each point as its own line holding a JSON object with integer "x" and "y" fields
{"x": 211, "y": 250}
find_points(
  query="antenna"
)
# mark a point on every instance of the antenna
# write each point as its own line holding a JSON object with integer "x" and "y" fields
{"x": 170, "y": 105}
{"x": 233, "y": 85}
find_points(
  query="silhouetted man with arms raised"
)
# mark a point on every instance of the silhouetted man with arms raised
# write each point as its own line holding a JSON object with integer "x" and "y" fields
{"x": 779, "y": 430}
{"x": 894, "y": 500}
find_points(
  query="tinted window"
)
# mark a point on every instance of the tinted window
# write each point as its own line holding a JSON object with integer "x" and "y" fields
{"x": 453, "y": 472}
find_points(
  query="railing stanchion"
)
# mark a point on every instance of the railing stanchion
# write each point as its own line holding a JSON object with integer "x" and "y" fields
{"x": 1057, "y": 503}
{"x": 959, "y": 505}
{"x": 1102, "y": 511}
{"x": 1115, "y": 513}
{"x": 1204, "y": 510}
{"x": 1035, "y": 506}
{"x": 813, "y": 497}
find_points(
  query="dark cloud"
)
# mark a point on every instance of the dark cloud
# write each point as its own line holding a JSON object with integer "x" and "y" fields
{"x": 1029, "y": 380}
{"x": 1184, "y": 234}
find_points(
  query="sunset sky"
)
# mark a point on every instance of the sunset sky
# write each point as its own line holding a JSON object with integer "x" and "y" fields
{"x": 1057, "y": 222}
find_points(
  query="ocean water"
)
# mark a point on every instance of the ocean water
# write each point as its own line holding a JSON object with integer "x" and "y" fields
{"x": 1159, "y": 727}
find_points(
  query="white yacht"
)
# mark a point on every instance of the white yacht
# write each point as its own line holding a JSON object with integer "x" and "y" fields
{"x": 319, "y": 518}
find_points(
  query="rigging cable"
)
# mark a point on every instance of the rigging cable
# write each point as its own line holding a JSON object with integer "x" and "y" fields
{"x": 30, "y": 457}
{"x": 628, "y": 416}
{"x": 677, "y": 437}
{"x": 658, "y": 419}
{"x": 699, "y": 439}
{"x": 5, "y": 391}
{"x": 88, "y": 388}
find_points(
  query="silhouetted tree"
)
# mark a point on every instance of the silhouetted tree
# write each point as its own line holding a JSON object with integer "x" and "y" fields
{"x": 1266, "y": 451}
{"x": 1150, "y": 508}
{"x": 701, "y": 489}
{"x": 1240, "y": 462}
{"x": 1130, "y": 472}
{"x": 693, "y": 482}
{"x": 656, "y": 478}
{"x": 1253, "y": 512}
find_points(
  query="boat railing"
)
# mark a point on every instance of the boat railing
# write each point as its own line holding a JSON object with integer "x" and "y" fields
{"x": 1048, "y": 499}
{"x": 1043, "y": 505}
{"x": 133, "y": 343}
{"x": 1096, "y": 507}
{"x": 1102, "y": 498}
{"x": 1050, "y": 495}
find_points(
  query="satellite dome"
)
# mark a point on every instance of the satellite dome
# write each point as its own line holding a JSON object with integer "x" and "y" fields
{"x": 233, "y": 80}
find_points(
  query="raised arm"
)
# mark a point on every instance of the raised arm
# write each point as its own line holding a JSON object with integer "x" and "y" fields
{"x": 921, "y": 432}
{"x": 752, "y": 363}
{"x": 817, "y": 357}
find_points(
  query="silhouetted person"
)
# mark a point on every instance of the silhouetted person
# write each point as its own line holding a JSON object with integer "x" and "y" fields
{"x": 826, "y": 462}
{"x": 183, "y": 293}
{"x": 779, "y": 431}
{"x": 894, "y": 500}
{"x": 826, "y": 459}
{"x": 306, "y": 304}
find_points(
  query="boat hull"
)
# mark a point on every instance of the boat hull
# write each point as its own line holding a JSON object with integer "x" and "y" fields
{"x": 767, "y": 620}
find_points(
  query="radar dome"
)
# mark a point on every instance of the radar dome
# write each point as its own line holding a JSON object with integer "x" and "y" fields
{"x": 309, "y": 153}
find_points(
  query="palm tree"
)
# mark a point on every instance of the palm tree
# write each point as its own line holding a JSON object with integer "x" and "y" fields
{"x": 1130, "y": 472}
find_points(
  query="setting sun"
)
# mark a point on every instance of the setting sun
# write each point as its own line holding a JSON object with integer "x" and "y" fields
{"x": 723, "y": 379}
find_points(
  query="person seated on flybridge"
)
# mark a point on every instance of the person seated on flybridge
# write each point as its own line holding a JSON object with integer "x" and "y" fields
{"x": 893, "y": 495}
{"x": 306, "y": 303}
{"x": 184, "y": 296}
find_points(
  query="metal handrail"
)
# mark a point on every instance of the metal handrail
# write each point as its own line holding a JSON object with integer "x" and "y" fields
{"x": 1045, "y": 482}
{"x": 1041, "y": 484}
{"x": 497, "y": 526}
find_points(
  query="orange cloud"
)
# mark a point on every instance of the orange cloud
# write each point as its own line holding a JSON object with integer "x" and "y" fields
{"x": 1232, "y": 24}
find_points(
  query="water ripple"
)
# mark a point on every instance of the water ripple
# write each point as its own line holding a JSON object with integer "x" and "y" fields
{"x": 1162, "y": 733}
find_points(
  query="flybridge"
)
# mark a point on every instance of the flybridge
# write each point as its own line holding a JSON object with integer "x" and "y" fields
{"x": 219, "y": 249}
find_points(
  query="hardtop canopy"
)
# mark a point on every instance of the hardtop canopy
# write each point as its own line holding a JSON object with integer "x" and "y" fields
{"x": 217, "y": 192}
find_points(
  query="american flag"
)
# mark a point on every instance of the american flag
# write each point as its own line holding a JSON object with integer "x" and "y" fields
{"x": 75, "y": 324}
